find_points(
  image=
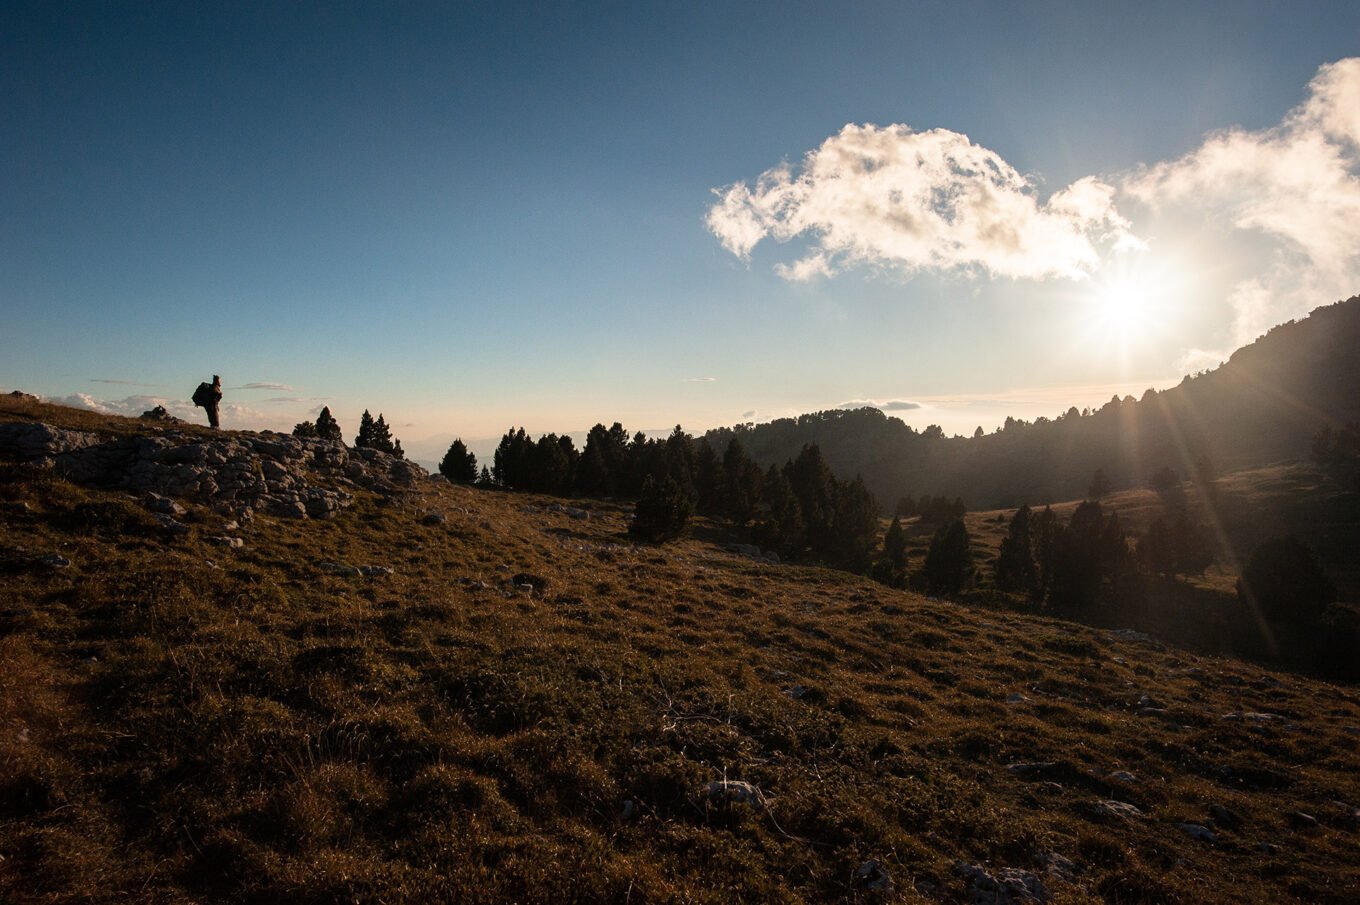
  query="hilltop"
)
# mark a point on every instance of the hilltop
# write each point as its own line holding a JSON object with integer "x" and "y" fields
{"x": 427, "y": 692}
{"x": 1262, "y": 406}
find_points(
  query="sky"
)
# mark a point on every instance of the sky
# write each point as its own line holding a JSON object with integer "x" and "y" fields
{"x": 476, "y": 215}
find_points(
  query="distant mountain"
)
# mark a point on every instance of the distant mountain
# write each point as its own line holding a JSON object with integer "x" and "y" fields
{"x": 1263, "y": 405}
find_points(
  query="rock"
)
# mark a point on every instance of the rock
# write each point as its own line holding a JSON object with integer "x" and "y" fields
{"x": 1196, "y": 831}
{"x": 734, "y": 791}
{"x": 1128, "y": 634}
{"x": 15, "y": 507}
{"x": 338, "y": 568}
{"x": 1001, "y": 886}
{"x": 629, "y": 810}
{"x": 1060, "y": 867}
{"x": 871, "y": 875}
{"x": 288, "y": 509}
{"x": 1016, "y": 698}
{"x": 374, "y": 571}
{"x": 55, "y": 561}
{"x": 234, "y": 543}
{"x": 1109, "y": 809}
{"x": 171, "y": 524}
{"x": 1301, "y": 821}
{"x": 795, "y": 691}
{"x": 434, "y": 518}
{"x": 1123, "y": 776}
{"x": 157, "y": 503}
{"x": 1269, "y": 848}
{"x": 22, "y": 396}
{"x": 30, "y": 440}
{"x": 159, "y": 413}
{"x": 1248, "y": 716}
{"x": 1224, "y": 817}
{"x": 1034, "y": 770}
{"x": 534, "y": 583}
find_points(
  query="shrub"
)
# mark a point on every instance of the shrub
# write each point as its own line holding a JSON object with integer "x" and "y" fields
{"x": 1284, "y": 579}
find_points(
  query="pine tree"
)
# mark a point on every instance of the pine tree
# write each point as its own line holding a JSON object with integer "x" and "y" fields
{"x": 663, "y": 509}
{"x": 459, "y": 465}
{"x": 1100, "y": 485}
{"x": 1015, "y": 566}
{"x": 855, "y": 526}
{"x": 397, "y": 451}
{"x": 781, "y": 529}
{"x": 304, "y": 429}
{"x": 382, "y": 436}
{"x": 949, "y": 562}
{"x": 364, "y": 438}
{"x": 327, "y": 428}
{"x": 1284, "y": 581}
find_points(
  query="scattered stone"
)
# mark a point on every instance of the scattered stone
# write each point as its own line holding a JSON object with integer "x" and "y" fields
{"x": 871, "y": 875}
{"x": 157, "y": 503}
{"x": 795, "y": 691}
{"x": 629, "y": 810}
{"x": 338, "y": 568}
{"x": 234, "y": 543}
{"x": 287, "y": 509}
{"x": 171, "y": 524}
{"x": 1017, "y": 698}
{"x": 375, "y": 571}
{"x": 734, "y": 791}
{"x": 1269, "y": 848}
{"x": 1060, "y": 867}
{"x": 1247, "y": 716}
{"x": 434, "y": 518}
{"x": 1128, "y": 634}
{"x": 1224, "y": 817}
{"x": 533, "y": 583}
{"x": 1114, "y": 809}
{"x": 15, "y": 507}
{"x": 1123, "y": 776}
{"x": 1003, "y": 886}
{"x": 1197, "y": 831}
{"x": 159, "y": 413}
{"x": 55, "y": 561}
{"x": 1031, "y": 770}
{"x": 1301, "y": 821}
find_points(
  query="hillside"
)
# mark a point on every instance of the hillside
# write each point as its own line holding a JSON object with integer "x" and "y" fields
{"x": 1262, "y": 406}
{"x": 513, "y": 703}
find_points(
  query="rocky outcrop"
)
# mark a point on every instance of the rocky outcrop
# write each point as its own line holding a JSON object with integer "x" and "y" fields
{"x": 273, "y": 473}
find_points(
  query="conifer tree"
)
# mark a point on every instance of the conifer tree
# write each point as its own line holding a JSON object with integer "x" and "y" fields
{"x": 1015, "y": 566}
{"x": 781, "y": 529}
{"x": 663, "y": 509}
{"x": 459, "y": 465}
{"x": 327, "y": 428}
{"x": 949, "y": 562}
{"x": 364, "y": 438}
{"x": 304, "y": 429}
{"x": 382, "y": 436}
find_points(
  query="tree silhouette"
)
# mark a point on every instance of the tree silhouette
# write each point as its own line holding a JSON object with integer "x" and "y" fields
{"x": 662, "y": 510}
{"x": 459, "y": 465}
{"x": 1284, "y": 579}
{"x": 1100, "y": 485}
{"x": 949, "y": 562}
{"x": 1015, "y": 566}
{"x": 327, "y": 428}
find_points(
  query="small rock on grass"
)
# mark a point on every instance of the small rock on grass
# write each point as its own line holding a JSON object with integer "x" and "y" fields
{"x": 1198, "y": 831}
{"x": 1121, "y": 810}
{"x": 55, "y": 561}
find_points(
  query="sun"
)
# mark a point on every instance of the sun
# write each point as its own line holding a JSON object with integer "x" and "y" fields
{"x": 1122, "y": 306}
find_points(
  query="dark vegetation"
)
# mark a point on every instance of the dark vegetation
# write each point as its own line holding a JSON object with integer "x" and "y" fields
{"x": 532, "y": 709}
{"x": 1265, "y": 404}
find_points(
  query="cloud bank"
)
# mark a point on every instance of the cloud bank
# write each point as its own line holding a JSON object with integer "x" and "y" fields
{"x": 911, "y": 201}
{"x": 1296, "y": 184}
{"x": 895, "y": 199}
{"x": 893, "y": 405}
{"x": 133, "y": 406}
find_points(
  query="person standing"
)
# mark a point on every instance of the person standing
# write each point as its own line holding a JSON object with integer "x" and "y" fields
{"x": 208, "y": 396}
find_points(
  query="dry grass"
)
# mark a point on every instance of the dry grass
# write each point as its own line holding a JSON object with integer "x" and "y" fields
{"x": 182, "y": 722}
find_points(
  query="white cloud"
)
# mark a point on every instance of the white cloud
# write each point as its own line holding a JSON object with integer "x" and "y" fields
{"x": 1296, "y": 184}
{"x": 233, "y": 414}
{"x": 893, "y": 405}
{"x": 700, "y": 379}
{"x": 277, "y": 387}
{"x": 911, "y": 201}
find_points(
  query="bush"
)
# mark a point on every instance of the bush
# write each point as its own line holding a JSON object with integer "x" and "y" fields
{"x": 662, "y": 511}
{"x": 1285, "y": 581}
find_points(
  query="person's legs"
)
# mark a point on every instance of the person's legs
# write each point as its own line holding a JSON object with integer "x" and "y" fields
{"x": 212, "y": 415}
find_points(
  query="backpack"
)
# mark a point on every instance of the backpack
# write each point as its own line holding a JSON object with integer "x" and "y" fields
{"x": 203, "y": 396}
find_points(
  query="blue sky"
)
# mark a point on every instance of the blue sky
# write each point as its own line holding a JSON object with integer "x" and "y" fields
{"x": 472, "y": 215}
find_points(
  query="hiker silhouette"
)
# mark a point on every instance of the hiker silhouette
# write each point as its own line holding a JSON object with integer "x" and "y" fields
{"x": 207, "y": 396}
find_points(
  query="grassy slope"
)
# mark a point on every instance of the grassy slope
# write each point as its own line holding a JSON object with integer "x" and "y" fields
{"x": 183, "y": 722}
